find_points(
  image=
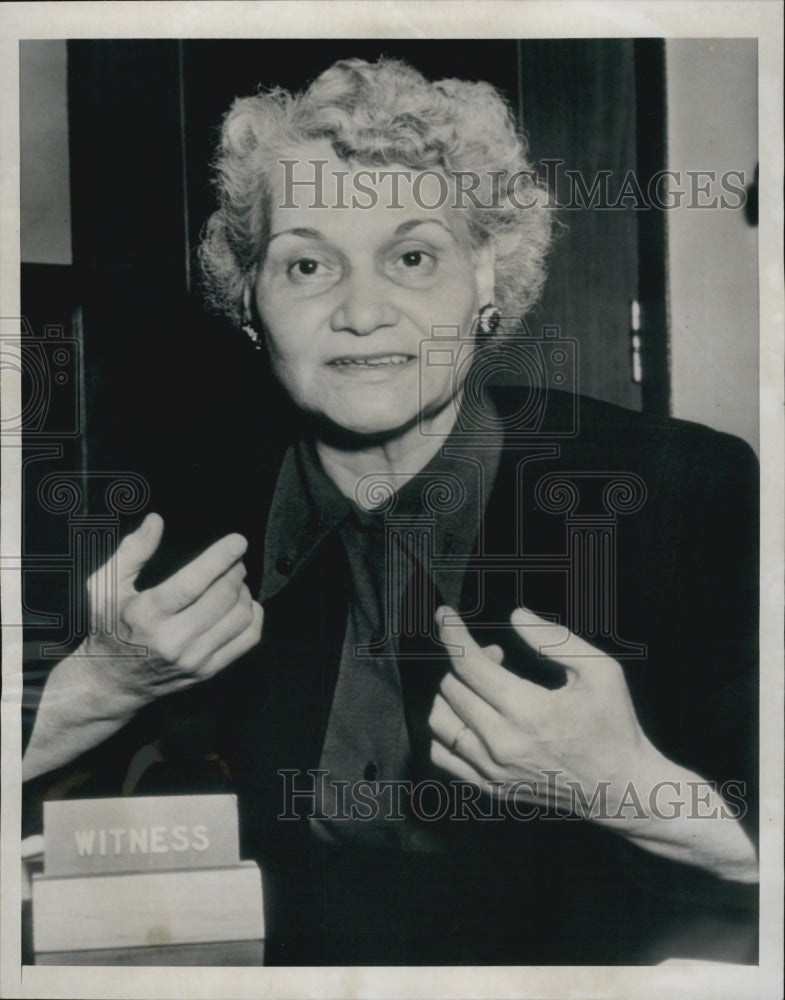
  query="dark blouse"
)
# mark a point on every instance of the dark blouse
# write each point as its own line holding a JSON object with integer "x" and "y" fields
{"x": 367, "y": 738}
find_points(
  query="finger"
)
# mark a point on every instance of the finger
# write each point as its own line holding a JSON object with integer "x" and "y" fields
{"x": 453, "y": 632}
{"x": 473, "y": 710}
{"x": 442, "y": 757}
{"x": 237, "y": 647}
{"x": 231, "y": 624}
{"x": 444, "y": 722}
{"x": 495, "y": 653}
{"x": 189, "y": 583}
{"x": 137, "y": 548}
{"x": 489, "y": 680}
{"x": 557, "y": 642}
{"x": 450, "y": 729}
{"x": 211, "y": 608}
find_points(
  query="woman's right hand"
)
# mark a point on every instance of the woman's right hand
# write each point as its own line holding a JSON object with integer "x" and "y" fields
{"x": 143, "y": 644}
{"x": 146, "y": 644}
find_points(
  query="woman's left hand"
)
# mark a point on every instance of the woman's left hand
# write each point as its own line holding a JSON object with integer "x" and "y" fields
{"x": 579, "y": 745}
{"x": 491, "y": 725}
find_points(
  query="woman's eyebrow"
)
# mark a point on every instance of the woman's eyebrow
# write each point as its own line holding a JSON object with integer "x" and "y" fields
{"x": 410, "y": 224}
{"x": 304, "y": 231}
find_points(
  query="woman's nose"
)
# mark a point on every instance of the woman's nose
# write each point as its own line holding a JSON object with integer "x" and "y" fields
{"x": 364, "y": 307}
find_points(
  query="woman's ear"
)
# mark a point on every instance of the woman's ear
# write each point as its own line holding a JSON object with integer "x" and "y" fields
{"x": 485, "y": 279}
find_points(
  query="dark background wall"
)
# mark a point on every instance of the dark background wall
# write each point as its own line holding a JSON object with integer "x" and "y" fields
{"x": 143, "y": 117}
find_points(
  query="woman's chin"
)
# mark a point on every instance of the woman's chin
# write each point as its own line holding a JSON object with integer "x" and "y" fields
{"x": 369, "y": 424}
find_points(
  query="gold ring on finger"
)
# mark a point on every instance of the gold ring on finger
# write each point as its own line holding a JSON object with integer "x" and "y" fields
{"x": 457, "y": 738}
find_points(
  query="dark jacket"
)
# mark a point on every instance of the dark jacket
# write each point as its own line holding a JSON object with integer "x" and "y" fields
{"x": 640, "y": 534}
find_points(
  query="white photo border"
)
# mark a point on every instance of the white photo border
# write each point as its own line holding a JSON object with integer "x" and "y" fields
{"x": 475, "y": 19}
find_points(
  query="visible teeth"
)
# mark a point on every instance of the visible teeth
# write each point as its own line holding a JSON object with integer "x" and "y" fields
{"x": 390, "y": 359}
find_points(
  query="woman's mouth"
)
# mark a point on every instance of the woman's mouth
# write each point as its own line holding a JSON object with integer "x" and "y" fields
{"x": 370, "y": 360}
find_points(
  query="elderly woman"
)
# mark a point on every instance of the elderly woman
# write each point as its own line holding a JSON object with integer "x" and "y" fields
{"x": 484, "y": 700}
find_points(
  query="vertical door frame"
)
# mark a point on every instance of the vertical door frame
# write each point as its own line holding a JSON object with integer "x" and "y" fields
{"x": 652, "y": 242}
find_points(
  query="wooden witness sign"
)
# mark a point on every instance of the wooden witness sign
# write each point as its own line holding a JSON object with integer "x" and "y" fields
{"x": 92, "y": 836}
{"x": 138, "y": 910}
{"x": 143, "y": 876}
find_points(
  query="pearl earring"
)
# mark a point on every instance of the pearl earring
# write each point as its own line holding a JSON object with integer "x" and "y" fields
{"x": 254, "y": 335}
{"x": 489, "y": 319}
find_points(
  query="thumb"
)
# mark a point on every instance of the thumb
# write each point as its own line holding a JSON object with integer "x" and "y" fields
{"x": 453, "y": 632}
{"x": 137, "y": 548}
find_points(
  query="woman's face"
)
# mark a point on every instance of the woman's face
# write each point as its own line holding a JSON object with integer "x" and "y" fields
{"x": 347, "y": 294}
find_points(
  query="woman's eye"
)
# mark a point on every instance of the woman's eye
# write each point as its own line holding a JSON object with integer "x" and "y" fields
{"x": 311, "y": 272}
{"x": 416, "y": 264}
{"x": 304, "y": 267}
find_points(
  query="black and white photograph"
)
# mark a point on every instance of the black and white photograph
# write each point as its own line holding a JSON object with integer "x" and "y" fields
{"x": 392, "y": 526}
